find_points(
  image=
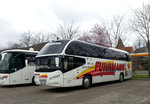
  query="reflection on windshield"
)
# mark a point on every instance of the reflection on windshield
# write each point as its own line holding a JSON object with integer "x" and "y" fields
{"x": 48, "y": 64}
{"x": 12, "y": 62}
{"x": 53, "y": 47}
{"x": 4, "y": 64}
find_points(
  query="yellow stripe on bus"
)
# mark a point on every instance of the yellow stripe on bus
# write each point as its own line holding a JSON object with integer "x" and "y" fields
{"x": 85, "y": 71}
{"x": 90, "y": 69}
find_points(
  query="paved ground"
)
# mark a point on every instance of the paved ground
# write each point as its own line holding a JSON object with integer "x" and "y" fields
{"x": 128, "y": 92}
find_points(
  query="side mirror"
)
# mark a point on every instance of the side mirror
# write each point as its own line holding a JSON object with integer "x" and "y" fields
{"x": 26, "y": 62}
{"x": 57, "y": 61}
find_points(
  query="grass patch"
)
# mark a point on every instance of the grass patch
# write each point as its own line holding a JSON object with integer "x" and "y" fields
{"x": 140, "y": 77}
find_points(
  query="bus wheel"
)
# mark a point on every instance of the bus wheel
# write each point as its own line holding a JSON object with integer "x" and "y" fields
{"x": 121, "y": 78}
{"x": 86, "y": 82}
{"x": 33, "y": 82}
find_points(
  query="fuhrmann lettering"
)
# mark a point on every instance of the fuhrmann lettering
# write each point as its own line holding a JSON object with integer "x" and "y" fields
{"x": 106, "y": 66}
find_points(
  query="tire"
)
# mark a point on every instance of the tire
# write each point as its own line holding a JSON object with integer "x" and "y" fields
{"x": 121, "y": 77}
{"x": 87, "y": 82}
{"x": 33, "y": 83}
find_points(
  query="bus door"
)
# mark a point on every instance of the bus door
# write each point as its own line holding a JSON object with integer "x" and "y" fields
{"x": 28, "y": 71}
{"x": 68, "y": 71}
{"x": 72, "y": 67}
{"x": 17, "y": 63}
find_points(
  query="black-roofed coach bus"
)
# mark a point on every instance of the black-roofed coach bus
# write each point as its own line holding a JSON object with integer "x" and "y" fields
{"x": 66, "y": 63}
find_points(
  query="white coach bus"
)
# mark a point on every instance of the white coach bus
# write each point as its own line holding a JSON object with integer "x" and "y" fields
{"x": 17, "y": 67}
{"x": 68, "y": 63}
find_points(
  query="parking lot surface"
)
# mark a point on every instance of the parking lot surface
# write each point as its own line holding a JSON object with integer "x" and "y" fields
{"x": 128, "y": 92}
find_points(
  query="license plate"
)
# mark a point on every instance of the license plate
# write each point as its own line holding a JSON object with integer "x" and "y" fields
{"x": 42, "y": 81}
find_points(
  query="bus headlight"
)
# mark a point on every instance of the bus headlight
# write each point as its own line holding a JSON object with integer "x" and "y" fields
{"x": 3, "y": 77}
{"x": 54, "y": 77}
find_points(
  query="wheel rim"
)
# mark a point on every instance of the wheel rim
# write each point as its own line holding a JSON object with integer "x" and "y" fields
{"x": 87, "y": 82}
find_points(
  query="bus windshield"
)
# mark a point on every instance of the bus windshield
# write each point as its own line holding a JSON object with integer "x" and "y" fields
{"x": 53, "y": 47}
{"x": 4, "y": 64}
{"x": 48, "y": 64}
{"x": 12, "y": 62}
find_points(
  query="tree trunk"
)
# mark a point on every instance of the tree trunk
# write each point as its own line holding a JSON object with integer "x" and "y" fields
{"x": 149, "y": 64}
{"x": 148, "y": 47}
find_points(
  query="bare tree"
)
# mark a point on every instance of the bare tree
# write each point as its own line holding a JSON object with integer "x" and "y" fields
{"x": 101, "y": 35}
{"x": 117, "y": 29}
{"x": 86, "y": 37}
{"x": 97, "y": 35}
{"x": 140, "y": 24}
{"x": 26, "y": 39}
{"x": 38, "y": 38}
{"x": 14, "y": 45}
{"x": 50, "y": 37}
{"x": 67, "y": 31}
{"x": 139, "y": 43}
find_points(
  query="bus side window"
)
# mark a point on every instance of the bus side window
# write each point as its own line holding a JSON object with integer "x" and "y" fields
{"x": 17, "y": 63}
{"x": 30, "y": 60}
{"x": 72, "y": 62}
{"x": 78, "y": 62}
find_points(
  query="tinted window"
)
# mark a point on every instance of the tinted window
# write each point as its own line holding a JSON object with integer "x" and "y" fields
{"x": 128, "y": 57}
{"x": 4, "y": 64}
{"x": 116, "y": 55}
{"x": 72, "y": 62}
{"x": 48, "y": 64}
{"x": 90, "y": 50}
{"x": 30, "y": 60}
{"x": 17, "y": 62}
{"x": 53, "y": 47}
{"x": 78, "y": 62}
{"x": 83, "y": 49}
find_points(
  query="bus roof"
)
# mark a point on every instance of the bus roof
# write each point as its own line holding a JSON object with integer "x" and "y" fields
{"x": 115, "y": 49}
{"x": 19, "y": 50}
{"x": 81, "y": 48}
{"x": 119, "y": 50}
{"x": 67, "y": 42}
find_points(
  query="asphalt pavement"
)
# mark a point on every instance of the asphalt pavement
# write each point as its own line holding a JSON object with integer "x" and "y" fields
{"x": 128, "y": 92}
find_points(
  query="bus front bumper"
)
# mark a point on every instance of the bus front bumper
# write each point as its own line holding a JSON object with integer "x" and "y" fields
{"x": 56, "y": 80}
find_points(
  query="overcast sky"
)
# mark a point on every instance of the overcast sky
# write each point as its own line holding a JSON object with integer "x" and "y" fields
{"x": 17, "y": 16}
